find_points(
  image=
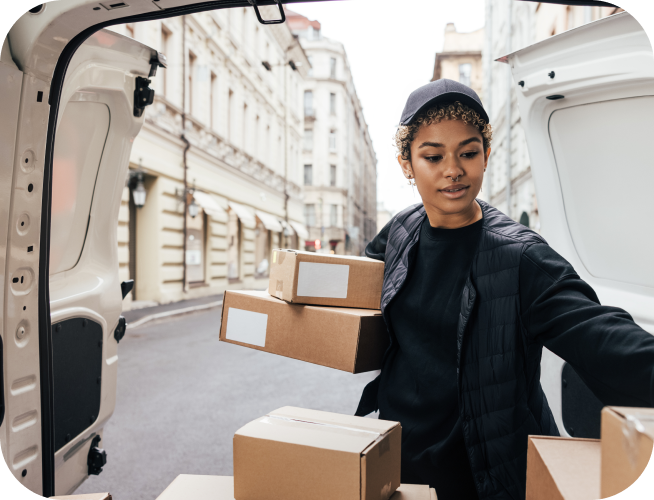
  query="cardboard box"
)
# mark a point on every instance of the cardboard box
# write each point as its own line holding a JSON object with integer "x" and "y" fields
{"x": 188, "y": 487}
{"x": 87, "y": 496}
{"x": 298, "y": 454}
{"x": 352, "y": 340}
{"x": 627, "y": 439}
{"x": 326, "y": 280}
{"x": 563, "y": 468}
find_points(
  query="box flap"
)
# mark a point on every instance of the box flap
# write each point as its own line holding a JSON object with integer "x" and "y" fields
{"x": 186, "y": 486}
{"x": 573, "y": 465}
{"x": 336, "y": 419}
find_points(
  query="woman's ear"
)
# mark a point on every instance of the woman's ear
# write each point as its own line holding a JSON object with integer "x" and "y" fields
{"x": 407, "y": 169}
{"x": 486, "y": 159}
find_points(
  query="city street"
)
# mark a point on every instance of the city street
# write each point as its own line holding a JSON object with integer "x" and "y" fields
{"x": 182, "y": 394}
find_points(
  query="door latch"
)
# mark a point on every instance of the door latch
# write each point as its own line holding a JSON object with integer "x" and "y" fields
{"x": 282, "y": 20}
{"x": 119, "y": 332}
{"x": 143, "y": 95}
{"x": 97, "y": 457}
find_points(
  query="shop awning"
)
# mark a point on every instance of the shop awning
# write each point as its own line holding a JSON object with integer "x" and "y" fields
{"x": 245, "y": 214}
{"x": 209, "y": 204}
{"x": 300, "y": 229}
{"x": 269, "y": 221}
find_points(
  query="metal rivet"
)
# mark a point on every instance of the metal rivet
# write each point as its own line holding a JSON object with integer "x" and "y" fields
{"x": 20, "y": 333}
{"x": 521, "y": 83}
{"x": 551, "y": 74}
{"x": 24, "y": 473}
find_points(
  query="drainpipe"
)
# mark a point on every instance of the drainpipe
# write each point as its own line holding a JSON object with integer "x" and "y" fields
{"x": 509, "y": 110}
{"x": 187, "y": 145}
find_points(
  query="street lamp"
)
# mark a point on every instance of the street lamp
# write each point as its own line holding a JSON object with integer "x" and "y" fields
{"x": 193, "y": 208}
{"x": 137, "y": 187}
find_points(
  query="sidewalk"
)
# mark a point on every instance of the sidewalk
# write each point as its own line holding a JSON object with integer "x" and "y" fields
{"x": 137, "y": 317}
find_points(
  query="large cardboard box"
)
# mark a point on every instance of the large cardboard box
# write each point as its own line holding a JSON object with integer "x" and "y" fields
{"x": 563, "y": 468}
{"x": 298, "y": 454}
{"x": 189, "y": 487}
{"x": 627, "y": 439}
{"x": 326, "y": 280}
{"x": 352, "y": 340}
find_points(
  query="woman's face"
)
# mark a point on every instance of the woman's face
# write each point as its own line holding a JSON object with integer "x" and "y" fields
{"x": 448, "y": 164}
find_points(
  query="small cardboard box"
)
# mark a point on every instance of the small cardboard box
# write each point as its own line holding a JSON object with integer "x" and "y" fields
{"x": 563, "y": 468}
{"x": 188, "y": 487}
{"x": 298, "y": 454}
{"x": 352, "y": 340}
{"x": 326, "y": 280}
{"x": 627, "y": 439}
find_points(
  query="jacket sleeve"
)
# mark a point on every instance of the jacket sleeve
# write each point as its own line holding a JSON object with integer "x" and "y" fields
{"x": 376, "y": 249}
{"x": 607, "y": 349}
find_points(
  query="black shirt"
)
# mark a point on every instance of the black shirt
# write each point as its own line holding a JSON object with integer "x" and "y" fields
{"x": 558, "y": 309}
{"x": 418, "y": 385}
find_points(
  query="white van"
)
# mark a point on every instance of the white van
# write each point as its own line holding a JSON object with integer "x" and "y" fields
{"x": 585, "y": 97}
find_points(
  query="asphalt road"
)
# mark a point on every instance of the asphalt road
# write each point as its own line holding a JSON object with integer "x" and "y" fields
{"x": 182, "y": 395}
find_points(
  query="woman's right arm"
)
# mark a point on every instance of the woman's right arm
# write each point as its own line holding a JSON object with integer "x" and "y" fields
{"x": 376, "y": 249}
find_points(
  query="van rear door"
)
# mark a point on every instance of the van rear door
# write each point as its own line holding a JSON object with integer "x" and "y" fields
{"x": 586, "y": 98}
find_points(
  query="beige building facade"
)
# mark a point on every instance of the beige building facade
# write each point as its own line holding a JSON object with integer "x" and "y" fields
{"x": 460, "y": 59}
{"x": 511, "y": 25}
{"x": 223, "y": 142}
{"x": 339, "y": 165}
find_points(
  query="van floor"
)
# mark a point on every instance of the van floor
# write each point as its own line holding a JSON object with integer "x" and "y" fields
{"x": 182, "y": 394}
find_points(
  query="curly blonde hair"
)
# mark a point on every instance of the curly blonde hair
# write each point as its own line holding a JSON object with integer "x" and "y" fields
{"x": 454, "y": 111}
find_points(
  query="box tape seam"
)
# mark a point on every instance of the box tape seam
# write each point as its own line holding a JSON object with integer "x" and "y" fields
{"x": 331, "y": 426}
{"x": 632, "y": 427}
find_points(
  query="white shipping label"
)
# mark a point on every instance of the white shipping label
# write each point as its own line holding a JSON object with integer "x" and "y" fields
{"x": 247, "y": 327}
{"x": 323, "y": 280}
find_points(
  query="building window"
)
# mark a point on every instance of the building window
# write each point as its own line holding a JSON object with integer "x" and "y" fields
{"x": 233, "y": 247}
{"x": 213, "y": 92}
{"x": 465, "y": 71}
{"x": 308, "y": 140}
{"x": 308, "y": 103}
{"x": 332, "y": 67}
{"x": 332, "y": 140}
{"x": 308, "y": 175}
{"x": 332, "y": 175}
{"x": 166, "y": 35}
{"x": 333, "y": 216}
{"x": 262, "y": 240}
{"x": 310, "y": 215}
{"x": 332, "y": 104}
{"x": 195, "y": 248}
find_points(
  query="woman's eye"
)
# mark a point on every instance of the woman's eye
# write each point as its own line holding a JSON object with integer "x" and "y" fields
{"x": 470, "y": 154}
{"x": 434, "y": 159}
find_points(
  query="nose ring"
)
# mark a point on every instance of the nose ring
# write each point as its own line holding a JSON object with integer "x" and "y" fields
{"x": 454, "y": 179}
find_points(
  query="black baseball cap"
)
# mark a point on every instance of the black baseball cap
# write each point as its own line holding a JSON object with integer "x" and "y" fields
{"x": 442, "y": 92}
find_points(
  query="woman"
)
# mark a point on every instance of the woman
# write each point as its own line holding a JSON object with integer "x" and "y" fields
{"x": 470, "y": 298}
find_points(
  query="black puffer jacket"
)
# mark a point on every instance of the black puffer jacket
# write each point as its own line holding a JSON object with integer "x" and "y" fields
{"x": 501, "y": 401}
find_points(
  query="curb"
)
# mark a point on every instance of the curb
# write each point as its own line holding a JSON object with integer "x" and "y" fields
{"x": 174, "y": 312}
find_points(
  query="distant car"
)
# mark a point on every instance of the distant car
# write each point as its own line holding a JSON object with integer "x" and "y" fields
{"x": 586, "y": 98}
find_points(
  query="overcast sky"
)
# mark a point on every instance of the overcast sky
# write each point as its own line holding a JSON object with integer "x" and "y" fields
{"x": 391, "y": 46}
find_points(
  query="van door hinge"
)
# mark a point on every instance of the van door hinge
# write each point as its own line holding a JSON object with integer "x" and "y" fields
{"x": 97, "y": 458}
{"x": 143, "y": 95}
{"x": 282, "y": 20}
